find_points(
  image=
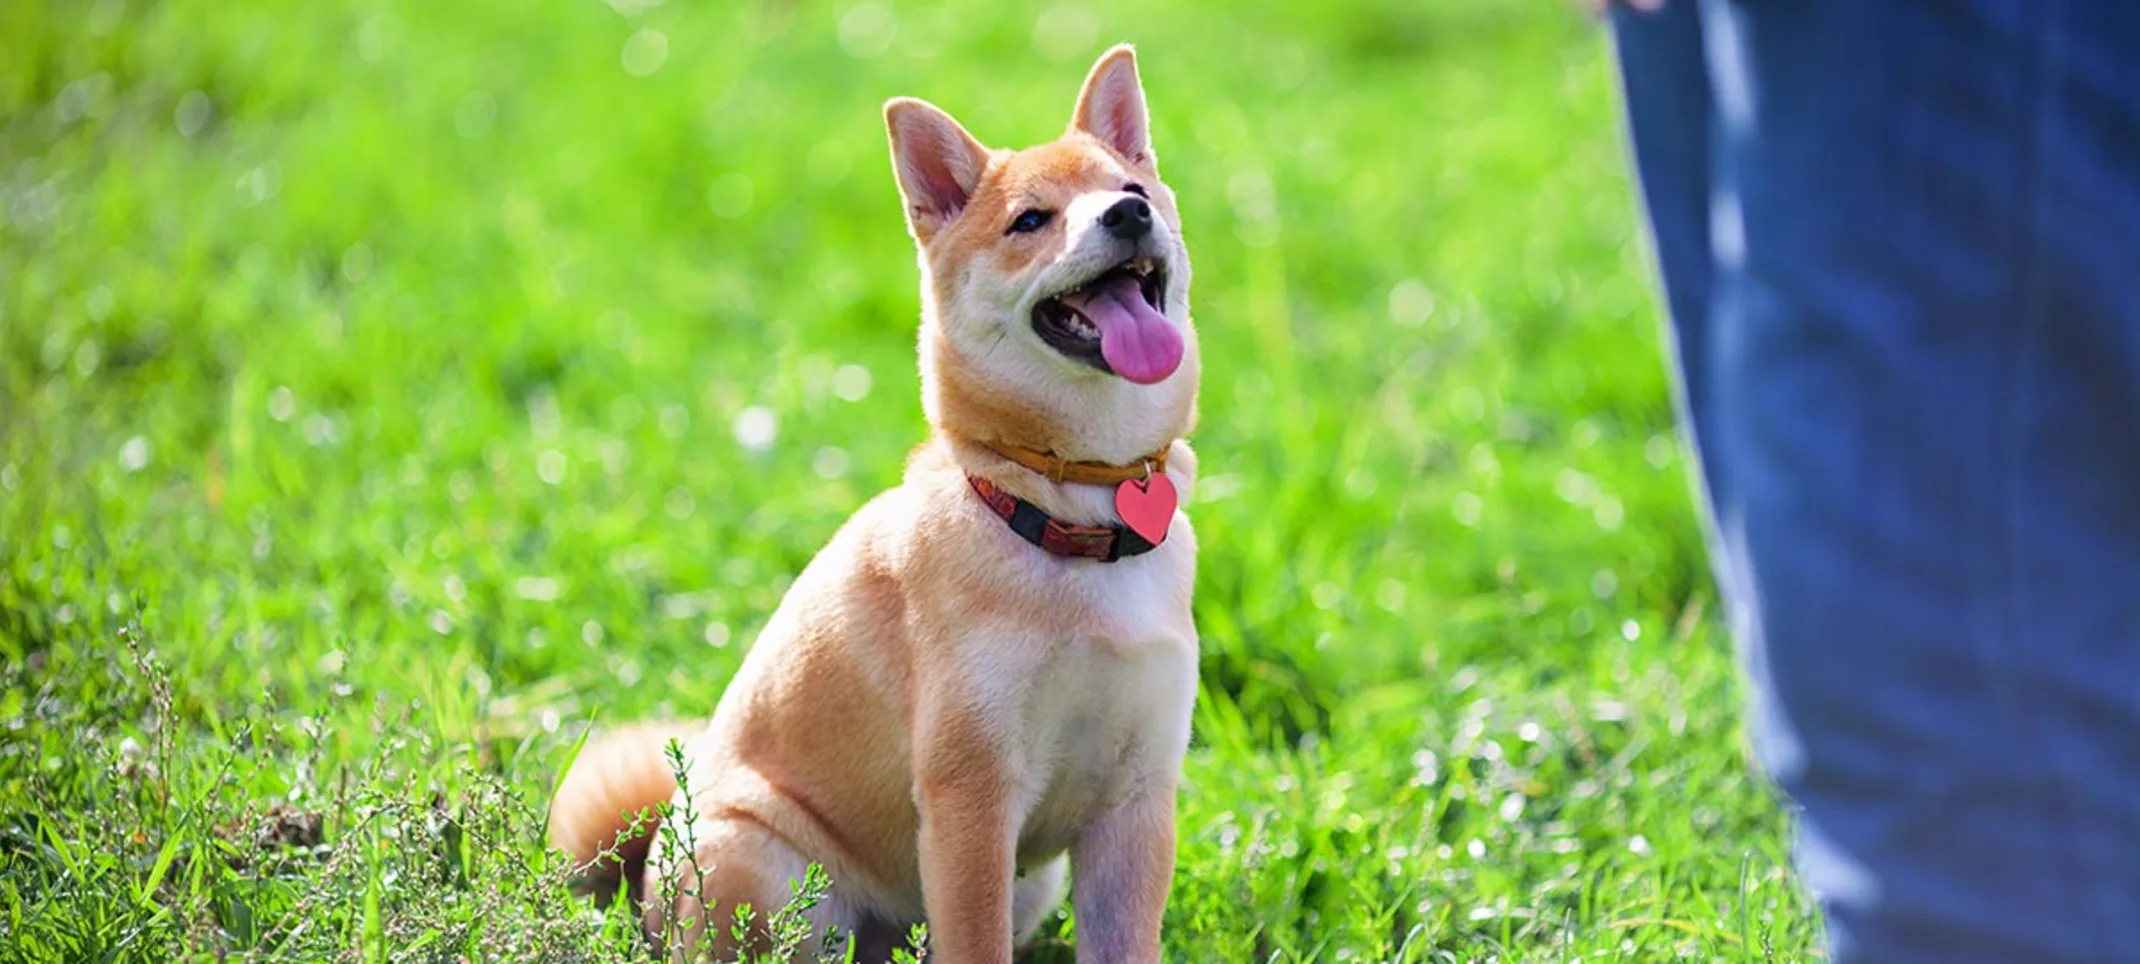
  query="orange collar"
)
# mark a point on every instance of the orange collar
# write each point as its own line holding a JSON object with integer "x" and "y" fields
{"x": 1083, "y": 473}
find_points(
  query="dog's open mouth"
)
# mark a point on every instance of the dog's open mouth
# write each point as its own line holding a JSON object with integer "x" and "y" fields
{"x": 1115, "y": 322}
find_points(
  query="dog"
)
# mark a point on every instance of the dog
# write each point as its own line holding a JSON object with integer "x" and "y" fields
{"x": 984, "y": 682}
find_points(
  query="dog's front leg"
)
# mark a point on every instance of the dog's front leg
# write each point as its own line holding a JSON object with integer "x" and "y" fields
{"x": 966, "y": 851}
{"x": 1120, "y": 871}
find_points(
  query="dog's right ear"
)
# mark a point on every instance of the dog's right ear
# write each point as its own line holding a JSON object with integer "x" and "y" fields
{"x": 937, "y": 162}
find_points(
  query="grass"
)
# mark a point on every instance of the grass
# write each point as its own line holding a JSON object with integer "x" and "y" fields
{"x": 388, "y": 390}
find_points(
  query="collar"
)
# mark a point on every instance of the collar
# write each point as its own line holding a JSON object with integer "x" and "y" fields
{"x": 1083, "y": 473}
{"x": 1104, "y": 543}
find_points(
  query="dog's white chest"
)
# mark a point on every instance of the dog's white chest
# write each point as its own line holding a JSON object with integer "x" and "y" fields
{"x": 1102, "y": 719}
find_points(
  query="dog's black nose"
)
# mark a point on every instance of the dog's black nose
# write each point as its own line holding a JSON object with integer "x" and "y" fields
{"x": 1129, "y": 219}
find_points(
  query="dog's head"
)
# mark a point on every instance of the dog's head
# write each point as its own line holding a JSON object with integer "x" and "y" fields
{"x": 1055, "y": 284}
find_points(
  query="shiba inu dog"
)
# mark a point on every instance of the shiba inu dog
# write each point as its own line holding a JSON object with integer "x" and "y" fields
{"x": 984, "y": 682}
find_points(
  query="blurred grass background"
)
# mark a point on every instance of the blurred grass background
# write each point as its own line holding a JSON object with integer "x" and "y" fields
{"x": 388, "y": 389}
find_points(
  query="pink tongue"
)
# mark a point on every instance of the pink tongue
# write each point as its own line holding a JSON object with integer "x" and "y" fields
{"x": 1139, "y": 344}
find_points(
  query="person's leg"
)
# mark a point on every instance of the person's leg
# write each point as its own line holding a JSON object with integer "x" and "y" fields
{"x": 1924, "y": 364}
{"x": 1665, "y": 90}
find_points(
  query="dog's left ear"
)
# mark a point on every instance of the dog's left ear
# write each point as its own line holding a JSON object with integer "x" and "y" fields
{"x": 1111, "y": 108}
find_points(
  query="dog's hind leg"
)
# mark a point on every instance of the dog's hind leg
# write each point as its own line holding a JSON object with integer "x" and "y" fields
{"x": 1035, "y": 895}
{"x": 691, "y": 902}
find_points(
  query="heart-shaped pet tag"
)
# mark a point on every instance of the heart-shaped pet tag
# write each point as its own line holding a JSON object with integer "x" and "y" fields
{"x": 1147, "y": 506}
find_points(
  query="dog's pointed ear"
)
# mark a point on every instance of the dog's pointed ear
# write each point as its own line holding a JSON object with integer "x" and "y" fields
{"x": 938, "y": 164}
{"x": 1111, "y": 108}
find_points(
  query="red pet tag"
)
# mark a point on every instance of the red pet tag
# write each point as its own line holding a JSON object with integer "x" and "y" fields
{"x": 1147, "y": 506}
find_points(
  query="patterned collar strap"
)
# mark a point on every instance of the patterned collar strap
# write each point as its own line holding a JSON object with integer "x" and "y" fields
{"x": 1104, "y": 543}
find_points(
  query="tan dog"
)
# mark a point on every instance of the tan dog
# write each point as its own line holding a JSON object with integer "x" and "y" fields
{"x": 986, "y": 678}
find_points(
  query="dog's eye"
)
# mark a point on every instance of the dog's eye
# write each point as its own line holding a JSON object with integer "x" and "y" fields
{"x": 1135, "y": 188}
{"x": 1031, "y": 219}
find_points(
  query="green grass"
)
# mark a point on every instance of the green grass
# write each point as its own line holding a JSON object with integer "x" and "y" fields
{"x": 369, "y": 376}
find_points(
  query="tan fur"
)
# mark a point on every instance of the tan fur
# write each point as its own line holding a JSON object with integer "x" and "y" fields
{"x": 938, "y": 712}
{"x": 619, "y": 773}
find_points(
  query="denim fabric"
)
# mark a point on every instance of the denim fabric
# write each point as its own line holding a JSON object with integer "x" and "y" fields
{"x": 1900, "y": 245}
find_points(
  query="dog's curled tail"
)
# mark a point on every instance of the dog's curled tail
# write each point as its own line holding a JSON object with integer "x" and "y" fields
{"x": 611, "y": 789}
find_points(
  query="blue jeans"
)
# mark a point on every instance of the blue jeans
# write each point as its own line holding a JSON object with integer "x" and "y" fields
{"x": 1900, "y": 244}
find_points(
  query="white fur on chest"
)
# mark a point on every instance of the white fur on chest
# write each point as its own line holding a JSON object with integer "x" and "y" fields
{"x": 1100, "y": 721}
{"x": 1096, "y": 707}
